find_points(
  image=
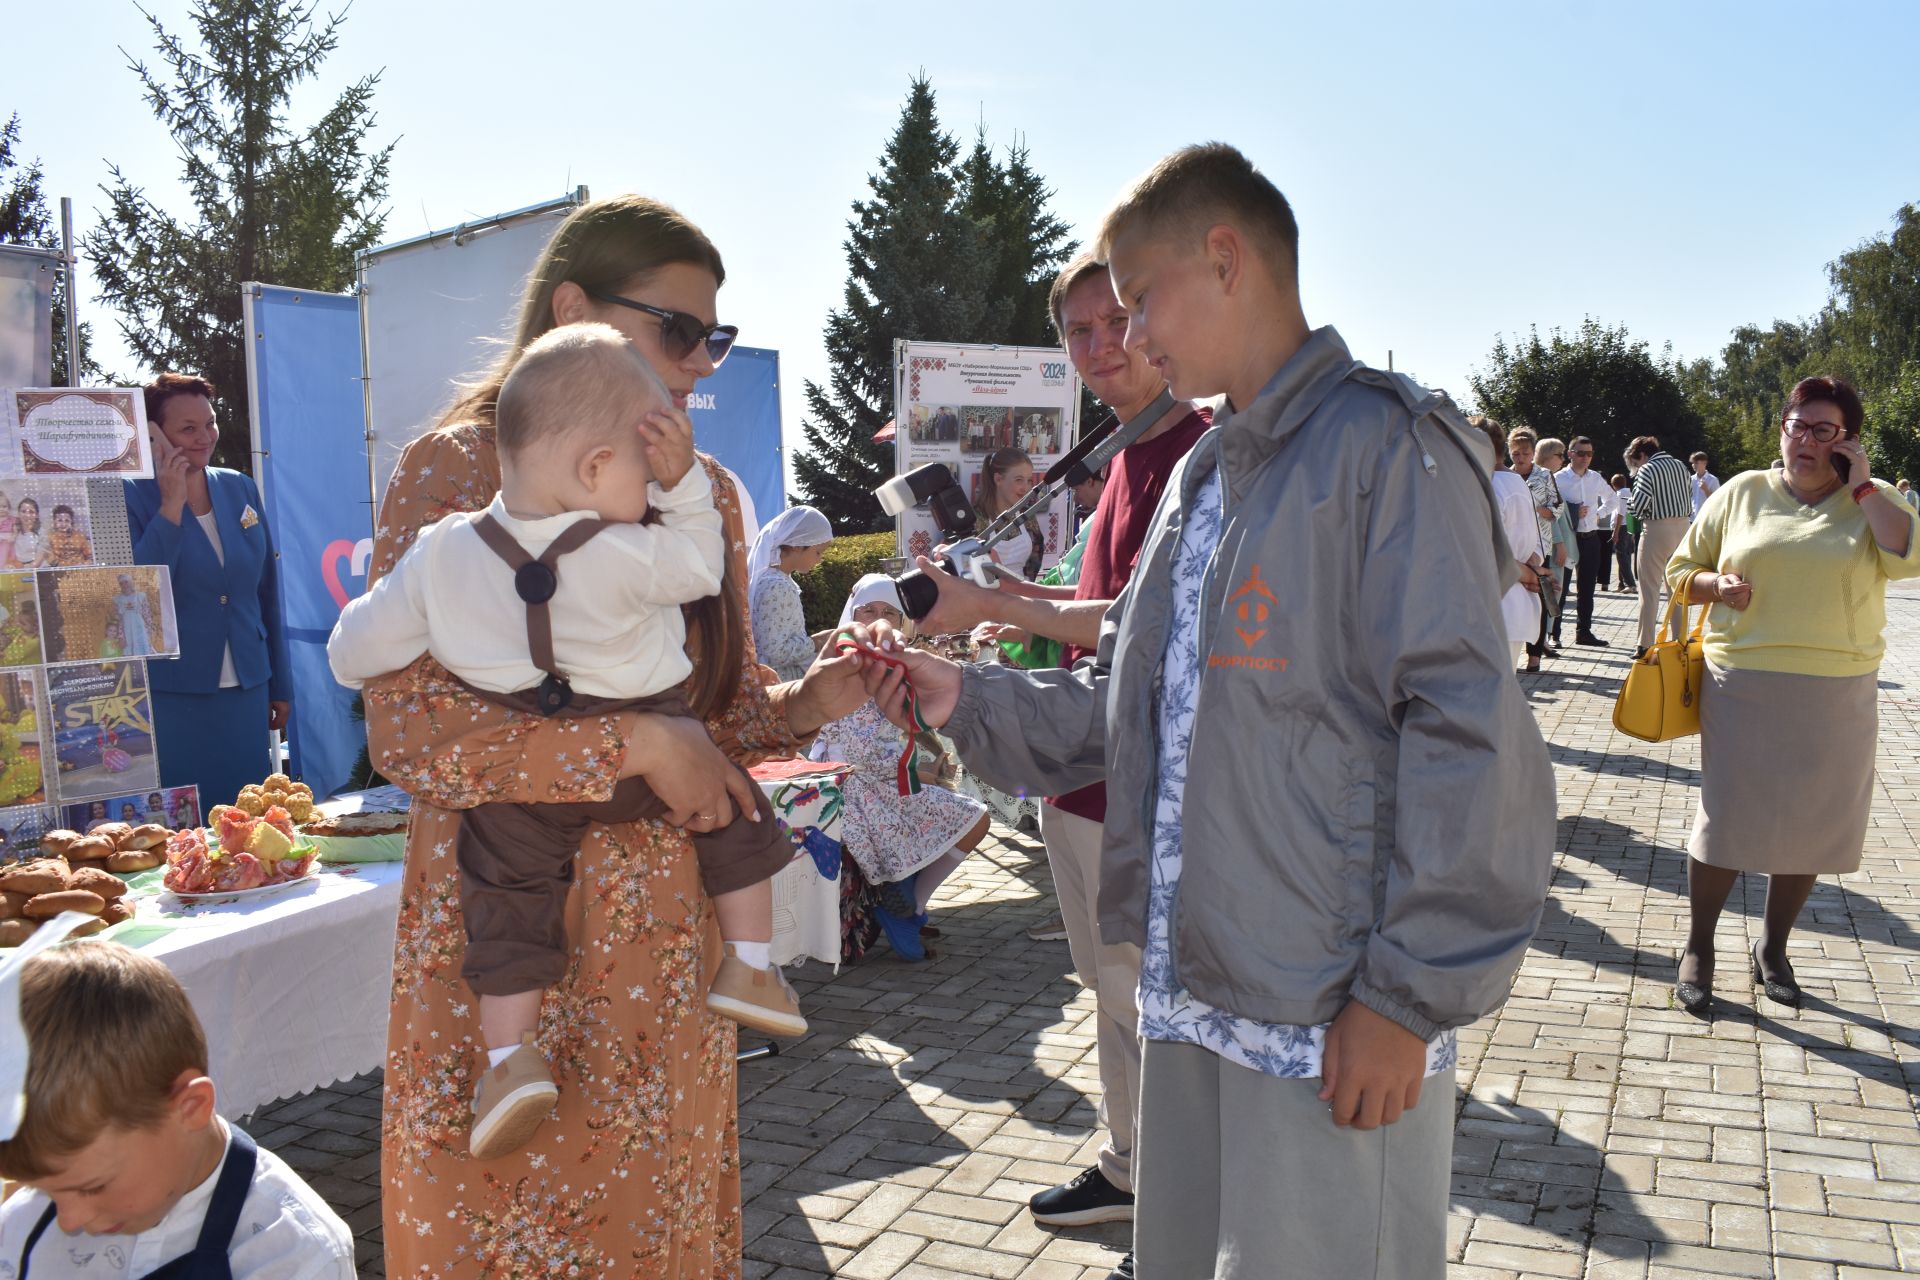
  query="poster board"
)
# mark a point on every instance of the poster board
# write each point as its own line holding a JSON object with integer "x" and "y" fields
{"x": 310, "y": 458}
{"x": 27, "y": 275}
{"x": 956, "y": 404}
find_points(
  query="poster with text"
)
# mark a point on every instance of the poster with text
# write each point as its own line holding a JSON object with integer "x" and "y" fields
{"x": 22, "y": 756}
{"x": 102, "y": 728}
{"x": 78, "y": 431}
{"x": 90, "y": 615}
{"x": 171, "y": 807}
{"x": 965, "y": 406}
{"x": 45, "y": 523}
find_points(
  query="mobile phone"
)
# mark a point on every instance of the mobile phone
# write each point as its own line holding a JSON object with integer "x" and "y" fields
{"x": 1842, "y": 466}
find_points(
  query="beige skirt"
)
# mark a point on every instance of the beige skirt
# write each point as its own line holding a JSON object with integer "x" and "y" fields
{"x": 1786, "y": 771}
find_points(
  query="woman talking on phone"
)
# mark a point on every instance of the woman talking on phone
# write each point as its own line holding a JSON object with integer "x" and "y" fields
{"x": 213, "y": 706}
{"x": 1794, "y": 564}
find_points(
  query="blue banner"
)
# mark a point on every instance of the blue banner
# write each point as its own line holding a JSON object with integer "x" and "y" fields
{"x": 736, "y": 418}
{"x": 310, "y": 430}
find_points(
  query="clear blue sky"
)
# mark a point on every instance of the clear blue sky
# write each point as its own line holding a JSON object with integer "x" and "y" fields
{"x": 1459, "y": 171}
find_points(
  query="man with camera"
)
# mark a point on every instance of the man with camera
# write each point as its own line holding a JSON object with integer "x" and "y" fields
{"x": 1093, "y": 326}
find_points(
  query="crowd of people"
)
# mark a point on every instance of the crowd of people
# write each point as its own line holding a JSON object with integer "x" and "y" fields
{"x": 1296, "y": 844}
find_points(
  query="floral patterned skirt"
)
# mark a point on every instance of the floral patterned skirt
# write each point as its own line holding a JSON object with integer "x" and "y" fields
{"x": 637, "y": 1175}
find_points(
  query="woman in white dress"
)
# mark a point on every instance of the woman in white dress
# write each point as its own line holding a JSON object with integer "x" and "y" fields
{"x": 790, "y": 543}
{"x": 905, "y": 845}
{"x": 1520, "y": 606}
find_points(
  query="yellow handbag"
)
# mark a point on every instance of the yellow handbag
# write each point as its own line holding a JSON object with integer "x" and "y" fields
{"x": 1660, "y": 698}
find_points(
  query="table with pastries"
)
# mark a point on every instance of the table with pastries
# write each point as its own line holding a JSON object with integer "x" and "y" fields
{"x": 292, "y": 983}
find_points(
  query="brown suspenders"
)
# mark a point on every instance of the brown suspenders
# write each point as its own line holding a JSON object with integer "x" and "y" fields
{"x": 535, "y": 581}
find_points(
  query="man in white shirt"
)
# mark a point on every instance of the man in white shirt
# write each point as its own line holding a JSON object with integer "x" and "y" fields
{"x": 1704, "y": 481}
{"x": 1592, "y": 500}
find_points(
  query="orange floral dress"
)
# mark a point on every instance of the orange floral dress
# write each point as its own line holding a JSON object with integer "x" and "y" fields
{"x": 637, "y": 1176}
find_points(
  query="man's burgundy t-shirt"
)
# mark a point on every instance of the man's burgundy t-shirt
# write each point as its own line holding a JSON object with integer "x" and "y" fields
{"x": 1135, "y": 482}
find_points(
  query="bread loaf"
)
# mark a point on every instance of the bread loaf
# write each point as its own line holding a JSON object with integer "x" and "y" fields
{"x": 93, "y": 848}
{"x": 43, "y": 875}
{"x": 135, "y": 860}
{"x": 15, "y": 932}
{"x": 94, "y": 880}
{"x": 57, "y": 840}
{"x": 45, "y": 906}
{"x": 117, "y": 910}
{"x": 145, "y": 837}
{"x": 112, "y": 832}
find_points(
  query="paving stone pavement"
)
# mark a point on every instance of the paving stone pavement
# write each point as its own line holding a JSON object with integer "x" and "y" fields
{"x": 1601, "y": 1131}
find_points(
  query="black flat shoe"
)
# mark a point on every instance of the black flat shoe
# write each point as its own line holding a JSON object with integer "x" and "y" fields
{"x": 1692, "y": 997}
{"x": 1779, "y": 990}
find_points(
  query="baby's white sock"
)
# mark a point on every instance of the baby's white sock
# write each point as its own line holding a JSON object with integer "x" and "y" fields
{"x": 758, "y": 955}
{"x": 497, "y": 1056}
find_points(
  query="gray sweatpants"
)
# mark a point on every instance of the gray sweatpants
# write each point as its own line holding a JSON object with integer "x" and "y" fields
{"x": 1243, "y": 1176}
{"x": 1658, "y": 541}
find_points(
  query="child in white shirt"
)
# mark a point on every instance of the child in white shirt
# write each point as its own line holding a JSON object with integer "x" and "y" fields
{"x": 558, "y": 590}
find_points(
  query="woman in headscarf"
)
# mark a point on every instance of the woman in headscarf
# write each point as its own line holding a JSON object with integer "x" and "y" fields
{"x": 792, "y": 542}
{"x": 904, "y": 845}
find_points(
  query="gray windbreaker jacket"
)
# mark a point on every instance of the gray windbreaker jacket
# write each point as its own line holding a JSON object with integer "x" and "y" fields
{"x": 1369, "y": 810}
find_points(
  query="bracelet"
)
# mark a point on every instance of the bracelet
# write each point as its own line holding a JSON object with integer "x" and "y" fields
{"x": 1862, "y": 489}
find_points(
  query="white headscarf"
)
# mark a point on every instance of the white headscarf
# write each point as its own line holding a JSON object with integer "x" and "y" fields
{"x": 873, "y": 588}
{"x": 794, "y": 527}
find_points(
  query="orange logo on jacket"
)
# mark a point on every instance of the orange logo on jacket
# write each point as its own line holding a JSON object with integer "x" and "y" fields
{"x": 1252, "y": 605}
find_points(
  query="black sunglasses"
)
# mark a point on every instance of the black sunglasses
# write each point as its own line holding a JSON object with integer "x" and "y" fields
{"x": 680, "y": 332}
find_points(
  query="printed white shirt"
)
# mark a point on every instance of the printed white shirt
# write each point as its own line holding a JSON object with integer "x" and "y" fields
{"x": 1168, "y": 1011}
{"x": 617, "y": 629}
{"x": 286, "y": 1232}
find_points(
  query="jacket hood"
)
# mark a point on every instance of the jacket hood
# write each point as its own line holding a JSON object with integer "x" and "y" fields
{"x": 1294, "y": 393}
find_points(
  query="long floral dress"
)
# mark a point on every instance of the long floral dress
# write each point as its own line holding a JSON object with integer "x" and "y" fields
{"x": 637, "y": 1176}
{"x": 889, "y": 835}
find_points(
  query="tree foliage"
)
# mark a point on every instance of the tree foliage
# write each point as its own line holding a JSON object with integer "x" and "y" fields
{"x": 271, "y": 202}
{"x": 941, "y": 251}
{"x": 27, "y": 219}
{"x": 1597, "y": 382}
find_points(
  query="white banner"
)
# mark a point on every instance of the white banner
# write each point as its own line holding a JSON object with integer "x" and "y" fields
{"x": 26, "y": 315}
{"x": 957, "y": 404}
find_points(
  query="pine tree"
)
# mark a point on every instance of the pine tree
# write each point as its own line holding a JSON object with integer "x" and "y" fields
{"x": 941, "y": 252}
{"x": 273, "y": 204}
{"x": 25, "y": 218}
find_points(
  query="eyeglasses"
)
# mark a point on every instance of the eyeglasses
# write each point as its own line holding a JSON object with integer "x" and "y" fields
{"x": 680, "y": 332}
{"x": 1800, "y": 429}
{"x": 1583, "y": 453}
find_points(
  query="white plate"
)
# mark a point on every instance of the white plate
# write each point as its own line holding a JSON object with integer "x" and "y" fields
{"x": 260, "y": 892}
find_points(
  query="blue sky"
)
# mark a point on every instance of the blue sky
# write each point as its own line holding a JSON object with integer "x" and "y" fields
{"x": 1459, "y": 171}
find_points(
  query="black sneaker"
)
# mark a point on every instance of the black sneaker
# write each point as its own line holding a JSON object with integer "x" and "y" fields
{"x": 1591, "y": 640}
{"x": 1124, "y": 1271}
{"x": 1088, "y": 1199}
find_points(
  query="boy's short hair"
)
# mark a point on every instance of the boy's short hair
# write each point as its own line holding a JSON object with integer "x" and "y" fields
{"x": 578, "y": 377}
{"x": 1698, "y": 456}
{"x": 108, "y": 1033}
{"x": 1084, "y": 264}
{"x": 1196, "y": 189}
{"x": 1617, "y": 480}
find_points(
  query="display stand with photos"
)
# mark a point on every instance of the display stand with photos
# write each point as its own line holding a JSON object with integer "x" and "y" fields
{"x": 78, "y": 621}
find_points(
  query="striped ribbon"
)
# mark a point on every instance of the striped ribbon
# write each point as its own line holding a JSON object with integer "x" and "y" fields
{"x": 906, "y": 776}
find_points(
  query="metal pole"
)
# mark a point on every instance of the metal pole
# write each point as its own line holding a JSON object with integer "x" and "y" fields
{"x": 73, "y": 319}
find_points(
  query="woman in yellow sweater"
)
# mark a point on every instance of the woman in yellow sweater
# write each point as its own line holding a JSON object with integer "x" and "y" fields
{"x": 1794, "y": 563}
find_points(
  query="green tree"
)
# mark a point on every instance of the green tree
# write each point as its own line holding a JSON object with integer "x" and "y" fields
{"x": 25, "y": 218}
{"x": 940, "y": 252}
{"x": 272, "y": 202}
{"x": 1599, "y": 383}
{"x": 1893, "y": 426}
{"x": 1874, "y": 312}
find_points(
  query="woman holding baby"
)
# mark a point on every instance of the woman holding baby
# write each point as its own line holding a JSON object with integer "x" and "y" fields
{"x": 638, "y": 1170}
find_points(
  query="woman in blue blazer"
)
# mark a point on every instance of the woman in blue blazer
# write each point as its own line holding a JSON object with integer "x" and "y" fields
{"x": 213, "y": 705}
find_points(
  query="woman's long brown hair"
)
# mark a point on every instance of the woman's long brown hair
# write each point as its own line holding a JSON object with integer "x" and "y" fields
{"x": 615, "y": 246}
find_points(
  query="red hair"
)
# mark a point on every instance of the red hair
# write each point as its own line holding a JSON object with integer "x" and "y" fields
{"x": 168, "y": 385}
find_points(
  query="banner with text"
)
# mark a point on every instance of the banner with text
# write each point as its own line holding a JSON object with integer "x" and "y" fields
{"x": 960, "y": 404}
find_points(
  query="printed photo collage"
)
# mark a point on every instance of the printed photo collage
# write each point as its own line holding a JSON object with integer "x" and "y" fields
{"x": 76, "y": 717}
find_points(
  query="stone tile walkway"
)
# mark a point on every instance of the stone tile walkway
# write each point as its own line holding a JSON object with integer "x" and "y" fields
{"x": 1602, "y": 1132}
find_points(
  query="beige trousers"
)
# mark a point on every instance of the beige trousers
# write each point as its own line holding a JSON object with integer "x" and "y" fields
{"x": 1110, "y": 971}
{"x": 1243, "y": 1176}
{"x": 1658, "y": 538}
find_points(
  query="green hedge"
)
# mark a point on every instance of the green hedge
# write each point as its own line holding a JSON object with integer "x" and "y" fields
{"x": 825, "y": 590}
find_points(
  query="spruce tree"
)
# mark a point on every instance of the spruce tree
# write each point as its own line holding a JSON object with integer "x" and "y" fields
{"x": 943, "y": 251}
{"x": 26, "y": 218}
{"x": 272, "y": 203}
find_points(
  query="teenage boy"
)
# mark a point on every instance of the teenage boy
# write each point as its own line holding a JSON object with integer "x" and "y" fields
{"x": 1333, "y": 815}
{"x": 128, "y": 1170}
{"x": 1093, "y": 325}
{"x": 1704, "y": 481}
{"x": 1592, "y": 499}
